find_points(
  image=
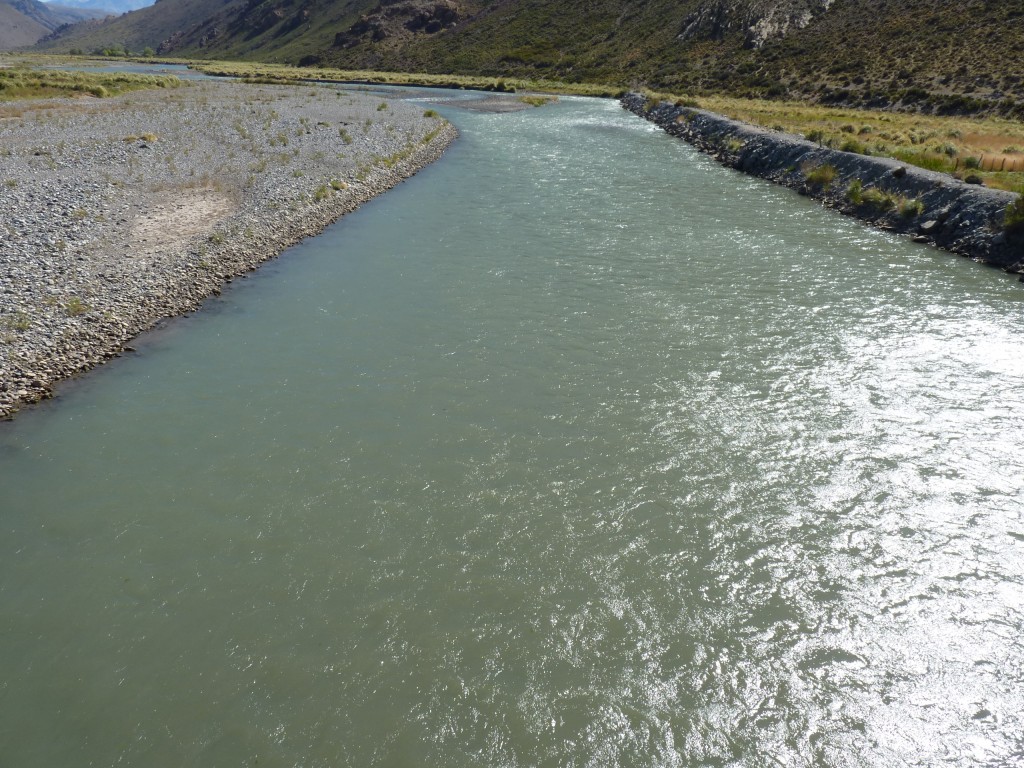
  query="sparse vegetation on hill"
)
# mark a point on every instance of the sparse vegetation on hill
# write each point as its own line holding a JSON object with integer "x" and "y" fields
{"x": 927, "y": 56}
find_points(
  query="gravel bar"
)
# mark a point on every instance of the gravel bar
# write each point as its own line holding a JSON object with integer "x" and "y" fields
{"x": 118, "y": 213}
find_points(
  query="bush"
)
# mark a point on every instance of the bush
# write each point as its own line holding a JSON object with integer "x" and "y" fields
{"x": 1013, "y": 221}
{"x": 734, "y": 145}
{"x": 431, "y": 113}
{"x": 821, "y": 175}
{"x": 878, "y": 199}
{"x": 972, "y": 162}
{"x": 852, "y": 145}
{"x": 75, "y": 307}
{"x": 930, "y": 161}
{"x": 855, "y": 192}
{"x": 911, "y": 208}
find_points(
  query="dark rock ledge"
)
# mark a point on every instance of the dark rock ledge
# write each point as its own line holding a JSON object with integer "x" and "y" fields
{"x": 931, "y": 207}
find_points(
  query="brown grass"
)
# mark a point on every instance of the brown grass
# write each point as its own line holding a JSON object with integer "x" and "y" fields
{"x": 938, "y": 143}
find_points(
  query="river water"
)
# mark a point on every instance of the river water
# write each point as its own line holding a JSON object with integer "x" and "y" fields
{"x": 574, "y": 450}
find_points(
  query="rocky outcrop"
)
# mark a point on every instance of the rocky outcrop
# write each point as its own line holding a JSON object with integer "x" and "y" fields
{"x": 759, "y": 21}
{"x": 393, "y": 19}
{"x": 934, "y": 208}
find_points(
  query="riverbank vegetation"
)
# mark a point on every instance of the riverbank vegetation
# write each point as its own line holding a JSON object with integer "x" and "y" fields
{"x": 990, "y": 148}
{"x": 279, "y": 73}
{"x": 21, "y": 82}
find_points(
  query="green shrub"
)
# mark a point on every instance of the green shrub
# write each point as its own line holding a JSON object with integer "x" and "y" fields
{"x": 911, "y": 208}
{"x": 972, "y": 162}
{"x": 734, "y": 145}
{"x": 817, "y": 136}
{"x": 922, "y": 159}
{"x": 75, "y": 306}
{"x": 431, "y": 113}
{"x": 1013, "y": 221}
{"x": 382, "y": 106}
{"x": 878, "y": 199}
{"x": 821, "y": 175}
{"x": 19, "y": 322}
{"x": 855, "y": 192}
{"x": 852, "y": 145}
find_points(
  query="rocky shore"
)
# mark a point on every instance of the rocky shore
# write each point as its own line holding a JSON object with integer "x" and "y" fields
{"x": 118, "y": 213}
{"x": 935, "y": 208}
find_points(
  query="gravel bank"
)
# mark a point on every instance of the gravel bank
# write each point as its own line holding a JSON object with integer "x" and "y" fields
{"x": 117, "y": 213}
{"x": 931, "y": 207}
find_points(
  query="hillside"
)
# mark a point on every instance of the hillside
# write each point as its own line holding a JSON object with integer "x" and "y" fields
{"x": 23, "y": 22}
{"x": 17, "y": 29}
{"x": 107, "y": 6}
{"x": 928, "y": 55}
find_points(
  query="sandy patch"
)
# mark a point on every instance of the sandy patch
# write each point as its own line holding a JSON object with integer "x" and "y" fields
{"x": 494, "y": 103}
{"x": 173, "y": 220}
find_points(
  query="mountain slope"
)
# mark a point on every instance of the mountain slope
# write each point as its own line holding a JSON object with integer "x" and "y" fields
{"x": 111, "y": 6}
{"x": 17, "y": 29}
{"x": 146, "y": 27}
{"x": 933, "y": 55}
{"x": 23, "y": 22}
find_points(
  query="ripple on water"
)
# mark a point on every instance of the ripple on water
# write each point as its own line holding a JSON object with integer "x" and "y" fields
{"x": 575, "y": 450}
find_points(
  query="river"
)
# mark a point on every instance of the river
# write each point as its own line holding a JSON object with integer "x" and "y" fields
{"x": 576, "y": 449}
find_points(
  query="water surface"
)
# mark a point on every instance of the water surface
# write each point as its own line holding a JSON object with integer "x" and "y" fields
{"x": 574, "y": 450}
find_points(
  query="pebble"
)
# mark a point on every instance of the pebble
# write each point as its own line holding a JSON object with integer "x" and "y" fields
{"x": 75, "y": 288}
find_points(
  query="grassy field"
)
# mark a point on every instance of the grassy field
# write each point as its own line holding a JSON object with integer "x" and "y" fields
{"x": 21, "y": 82}
{"x": 278, "y": 73}
{"x": 991, "y": 147}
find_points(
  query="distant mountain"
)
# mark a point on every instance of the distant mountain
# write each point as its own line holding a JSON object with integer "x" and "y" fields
{"x": 23, "y": 22}
{"x": 933, "y": 55}
{"x": 17, "y": 29}
{"x": 109, "y": 6}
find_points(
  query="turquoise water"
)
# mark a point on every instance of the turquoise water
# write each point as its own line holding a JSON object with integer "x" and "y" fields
{"x": 575, "y": 449}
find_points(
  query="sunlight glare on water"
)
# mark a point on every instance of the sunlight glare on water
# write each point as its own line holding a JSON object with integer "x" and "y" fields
{"x": 576, "y": 449}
